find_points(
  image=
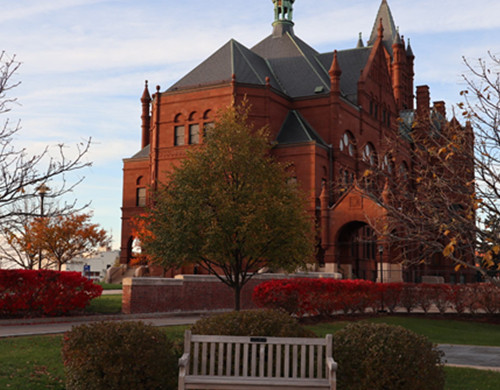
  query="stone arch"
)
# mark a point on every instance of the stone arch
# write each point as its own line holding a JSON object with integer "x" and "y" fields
{"x": 356, "y": 251}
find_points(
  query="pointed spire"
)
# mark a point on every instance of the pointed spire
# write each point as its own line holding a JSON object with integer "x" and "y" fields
{"x": 146, "y": 97}
{"x": 397, "y": 38}
{"x": 409, "y": 51}
{"x": 385, "y": 14}
{"x": 360, "y": 41}
{"x": 335, "y": 68}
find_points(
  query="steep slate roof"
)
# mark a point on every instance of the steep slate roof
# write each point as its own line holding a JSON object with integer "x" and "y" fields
{"x": 351, "y": 62}
{"x": 232, "y": 58}
{"x": 390, "y": 30}
{"x": 295, "y": 129}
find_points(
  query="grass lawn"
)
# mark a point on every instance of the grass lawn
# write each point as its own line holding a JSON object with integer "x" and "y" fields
{"x": 109, "y": 286}
{"x": 35, "y": 362}
{"x": 438, "y": 331}
{"x": 105, "y": 304}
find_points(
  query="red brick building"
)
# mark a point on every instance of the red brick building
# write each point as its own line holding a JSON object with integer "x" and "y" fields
{"x": 331, "y": 115}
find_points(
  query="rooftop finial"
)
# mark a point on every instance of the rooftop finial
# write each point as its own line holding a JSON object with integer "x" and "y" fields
{"x": 360, "y": 41}
{"x": 283, "y": 10}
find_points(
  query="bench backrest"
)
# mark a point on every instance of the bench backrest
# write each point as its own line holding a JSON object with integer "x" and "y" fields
{"x": 266, "y": 357}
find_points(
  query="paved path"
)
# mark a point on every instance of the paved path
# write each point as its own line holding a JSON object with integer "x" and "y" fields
{"x": 486, "y": 358}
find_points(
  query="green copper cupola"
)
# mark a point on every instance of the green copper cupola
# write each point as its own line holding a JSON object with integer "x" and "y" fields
{"x": 283, "y": 16}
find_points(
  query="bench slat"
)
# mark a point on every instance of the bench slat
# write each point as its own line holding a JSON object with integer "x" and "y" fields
{"x": 237, "y": 360}
{"x": 278, "y": 361}
{"x": 220, "y": 358}
{"x": 245, "y": 360}
{"x": 253, "y": 370}
{"x": 196, "y": 350}
{"x": 204, "y": 359}
{"x": 287, "y": 361}
{"x": 229, "y": 359}
{"x": 270, "y": 360}
{"x": 211, "y": 359}
{"x": 311, "y": 361}
{"x": 319, "y": 356}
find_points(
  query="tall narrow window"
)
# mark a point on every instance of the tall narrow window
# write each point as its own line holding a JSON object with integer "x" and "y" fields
{"x": 141, "y": 197}
{"x": 179, "y": 135}
{"x": 194, "y": 134}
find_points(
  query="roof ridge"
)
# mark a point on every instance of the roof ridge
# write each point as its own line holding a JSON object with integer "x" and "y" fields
{"x": 248, "y": 62}
{"x": 309, "y": 62}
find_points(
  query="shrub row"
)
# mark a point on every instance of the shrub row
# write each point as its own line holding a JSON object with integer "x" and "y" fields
{"x": 117, "y": 355}
{"x": 44, "y": 292}
{"x": 325, "y": 297}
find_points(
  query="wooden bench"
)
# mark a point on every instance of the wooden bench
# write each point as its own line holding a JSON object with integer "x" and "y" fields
{"x": 238, "y": 362}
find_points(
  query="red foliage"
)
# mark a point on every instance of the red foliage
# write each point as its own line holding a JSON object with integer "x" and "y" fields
{"x": 44, "y": 292}
{"x": 325, "y": 297}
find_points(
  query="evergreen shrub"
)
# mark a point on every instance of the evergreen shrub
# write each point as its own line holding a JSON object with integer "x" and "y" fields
{"x": 271, "y": 323}
{"x": 385, "y": 357}
{"x": 117, "y": 356}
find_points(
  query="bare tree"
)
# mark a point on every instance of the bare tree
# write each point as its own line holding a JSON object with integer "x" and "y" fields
{"x": 445, "y": 207}
{"x": 22, "y": 174}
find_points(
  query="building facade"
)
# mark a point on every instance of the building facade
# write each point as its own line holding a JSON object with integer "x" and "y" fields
{"x": 334, "y": 116}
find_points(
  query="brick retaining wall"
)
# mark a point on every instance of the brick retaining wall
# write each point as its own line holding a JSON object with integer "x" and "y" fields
{"x": 189, "y": 293}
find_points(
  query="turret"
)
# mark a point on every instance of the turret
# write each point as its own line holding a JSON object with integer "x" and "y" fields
{"x": 398, "y": 71}
{"x": 145, "y": 117}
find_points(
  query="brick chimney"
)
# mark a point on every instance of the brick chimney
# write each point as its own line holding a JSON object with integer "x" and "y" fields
{"x": 423, "y": 102}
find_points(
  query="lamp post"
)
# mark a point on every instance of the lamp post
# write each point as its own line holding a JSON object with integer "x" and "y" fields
{"x": 42, "y": 191}
{"x": 381, "y": 254}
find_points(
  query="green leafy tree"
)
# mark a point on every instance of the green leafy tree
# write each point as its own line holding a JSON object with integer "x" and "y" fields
{"x": 230, "y": 208}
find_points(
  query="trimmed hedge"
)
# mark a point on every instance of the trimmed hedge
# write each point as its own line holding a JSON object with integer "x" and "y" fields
{"x": 385, "y": 357}
{"x": 119, "y": 355}
{"x": 325, "y": 297}
{"x": 271, "y": 323}
{"x": 44, "y": 292}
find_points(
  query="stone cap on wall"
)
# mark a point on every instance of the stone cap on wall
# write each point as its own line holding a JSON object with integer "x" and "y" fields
{"x": 180, "y": 279}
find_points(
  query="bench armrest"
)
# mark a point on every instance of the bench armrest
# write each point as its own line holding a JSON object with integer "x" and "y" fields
{"x": 331, "y": 364}
{"x": 184, "y": 360}
{"x": 332, "y": 372}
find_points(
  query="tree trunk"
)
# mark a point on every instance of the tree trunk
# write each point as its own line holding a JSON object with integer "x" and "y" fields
{"x": 237, "y": 297}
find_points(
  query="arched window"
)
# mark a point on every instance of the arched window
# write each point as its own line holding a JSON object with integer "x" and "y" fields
{"x": 348, "y": 144}
{"x": 207, "y": 114}
{"x": 178, "y": 118}
{"x": 388, "y": 163}
{"x": 192, "y": 116}
{"x": 369, "y": 154}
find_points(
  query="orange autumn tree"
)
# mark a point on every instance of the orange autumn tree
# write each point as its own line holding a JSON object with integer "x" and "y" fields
{"x": 62, "y": 238}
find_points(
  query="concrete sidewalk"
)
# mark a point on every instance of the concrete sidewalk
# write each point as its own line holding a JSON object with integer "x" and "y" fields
{"x": 478, "y": 357}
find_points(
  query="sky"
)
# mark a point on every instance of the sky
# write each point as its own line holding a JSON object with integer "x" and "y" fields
{"x": 84, "y": 63}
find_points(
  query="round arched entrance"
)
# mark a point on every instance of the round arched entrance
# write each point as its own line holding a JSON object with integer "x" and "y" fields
{"x": 356, "y": 251}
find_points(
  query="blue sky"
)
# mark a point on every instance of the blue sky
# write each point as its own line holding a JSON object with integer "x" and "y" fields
{"x": 84, "y": 62}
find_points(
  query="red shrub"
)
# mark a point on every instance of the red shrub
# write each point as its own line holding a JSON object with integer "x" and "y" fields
{"x": 43, "y": 292}
{"x": 488, "y": 297}
{"x": 392, "y": 295}
{"x": 316, "y": 296}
